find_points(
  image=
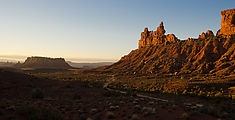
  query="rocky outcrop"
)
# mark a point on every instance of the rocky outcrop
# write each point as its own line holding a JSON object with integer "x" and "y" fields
{"x": 165, "y": 54}
{"x": 150, "y": 38}
{"x": 45, "y": 63}
{"x": 227, "y": 22}
{"x": 208, "y": 33}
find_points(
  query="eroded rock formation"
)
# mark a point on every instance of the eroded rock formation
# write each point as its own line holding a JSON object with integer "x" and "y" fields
{"x": 149, "y": 38}
{"x": 208, "y": 33}
{"x": 165, "y": 54}
{"x": 45, "y": 63}
{"x": 227, "y": 22}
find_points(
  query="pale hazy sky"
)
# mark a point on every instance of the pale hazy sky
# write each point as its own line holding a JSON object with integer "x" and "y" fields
{"x": 102, "y": 30}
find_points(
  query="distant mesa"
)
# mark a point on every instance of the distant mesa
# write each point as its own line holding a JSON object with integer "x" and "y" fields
{"x": 44, "y": 63}
{"x": 89, "y": 65}
{"x": 158, "y": 53}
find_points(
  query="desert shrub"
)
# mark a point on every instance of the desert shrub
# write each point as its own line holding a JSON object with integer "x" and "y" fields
{"x": 135, "y": 102}
{"x": 28, "y": 111}
{"x": 93, "y": 111}
{"x": 82, "y": 116}
{"x": 112, "y": 94}
{"x": 37, "y": 94}
{"x": 185, "y": 116}
{"x": 114, "y": 107}
{"x": 40, "y": 113}
{"x": 115, "y": 103}
{"x": 137, "y": 108}
{"x": 97, "y": 116}
{"x": 12, "y": 118}
{"x": 77, "y": 96}
{"x": 48, "y": 113}
{"x": 218, "y": 94}
{"x": 164, "y": 106}
{"x": 194, "y": 113}
{"x": 148, "y": 110}
{"x": 68, "y": 108}
{"x": 95, "y": 84}
{"x": 88, "y": 119}
{"x": 134, "y": 117}
{"x": 68, "y": 86}
{"x": 131, "y": 93}
{"x": 209, "y": 110}
{"x": 123, "y": 115}
{"x": 110, "y": 115}
{"x": 212, "y": 111}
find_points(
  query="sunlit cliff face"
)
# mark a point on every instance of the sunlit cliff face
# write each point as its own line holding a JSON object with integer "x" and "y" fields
{"x": 228, "y": 18}
{"x": 227, "y": 22}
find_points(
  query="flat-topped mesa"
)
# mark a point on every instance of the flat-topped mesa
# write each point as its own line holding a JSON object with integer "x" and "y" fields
{"x": 45, "y": 63}
{"x": 149, "y": 38}
{"x": 227, "y": 22}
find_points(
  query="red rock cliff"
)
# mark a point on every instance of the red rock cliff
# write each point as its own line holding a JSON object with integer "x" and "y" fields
{"x": 149, "y": 38}
{"x": 159, "y": 53}
{"x": 227, "y": 22}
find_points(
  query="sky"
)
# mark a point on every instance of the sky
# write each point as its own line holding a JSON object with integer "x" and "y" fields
{"x": 98, "y": 30}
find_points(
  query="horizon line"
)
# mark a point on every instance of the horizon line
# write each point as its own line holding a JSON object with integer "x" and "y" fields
{"x": 21, "y": 58}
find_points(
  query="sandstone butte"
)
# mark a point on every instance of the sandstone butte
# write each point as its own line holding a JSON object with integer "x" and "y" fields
{"x": 158, "y": 53}
{"x": 44, "y": 63}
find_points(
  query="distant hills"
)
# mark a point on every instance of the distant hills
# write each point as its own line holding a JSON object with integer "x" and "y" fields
{"x": 44, "y": 63}
{"x": 166, "y": 54}
{"x": 89, "y": 65}
{"x": 7, "y": 64}
{"x": 52, "y": 63}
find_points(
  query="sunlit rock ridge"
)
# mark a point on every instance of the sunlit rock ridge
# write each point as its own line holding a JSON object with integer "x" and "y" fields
{"x": 158, "y": 53}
